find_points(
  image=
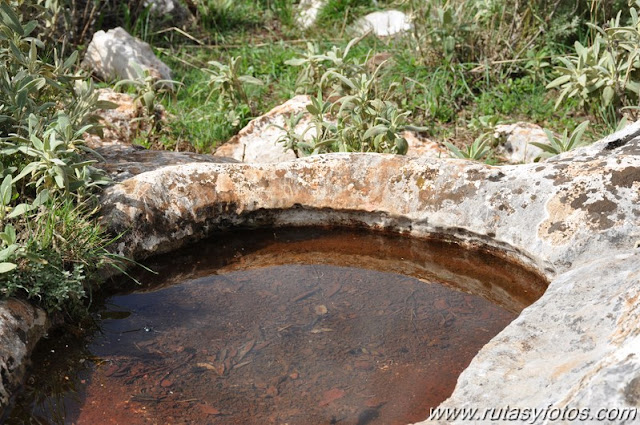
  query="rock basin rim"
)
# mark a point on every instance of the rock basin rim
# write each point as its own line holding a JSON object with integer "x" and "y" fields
{"x": 573, "y": 219}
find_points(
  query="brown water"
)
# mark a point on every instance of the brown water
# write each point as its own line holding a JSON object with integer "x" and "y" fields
{"x": 245, "y": 334}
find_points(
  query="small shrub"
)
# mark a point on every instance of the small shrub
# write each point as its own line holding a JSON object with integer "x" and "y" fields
{"x": 479, "y": 150}
{"x": 229, "y": 84}
{"x": 607, "y": 71}
{"x": 363, "y": 120}
{"x": 314, "y": 65}
{"x": 49, "y": 247}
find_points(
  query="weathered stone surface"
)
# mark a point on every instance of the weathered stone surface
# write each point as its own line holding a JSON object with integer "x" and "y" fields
{"x": 384, "y": 23}
{"x": 576, "y": 347}
{"x": 21, "y": 326}
{"x": 566, "y": 211}
{"x": 307, "y": 12}
{"x": 517, "y": 138}
{"x": 111, "y": 55}
{"x": 123, "y": 162}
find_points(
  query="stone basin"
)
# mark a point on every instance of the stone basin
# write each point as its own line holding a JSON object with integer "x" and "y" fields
{"x": 573, "y": 218}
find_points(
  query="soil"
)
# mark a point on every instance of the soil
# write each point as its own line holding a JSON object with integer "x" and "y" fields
{"x": 239, "y": 340}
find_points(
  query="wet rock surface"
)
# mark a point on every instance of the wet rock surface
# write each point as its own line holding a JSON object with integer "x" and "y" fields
{"x": 21, "y": 326}
{"x": 277, "y": 326}
{"x": 576, "y": 347}
{"x": 575, "y": 213}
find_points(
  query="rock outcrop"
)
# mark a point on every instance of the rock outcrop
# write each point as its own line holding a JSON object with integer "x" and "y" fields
{"x": 258, "y": 141}
{"x": 573, "y": 217}
{"x": 307, "y": 13}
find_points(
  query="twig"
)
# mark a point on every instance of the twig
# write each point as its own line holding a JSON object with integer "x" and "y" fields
{"x": 179, "y": 31}
{"x": 238, "y": 46}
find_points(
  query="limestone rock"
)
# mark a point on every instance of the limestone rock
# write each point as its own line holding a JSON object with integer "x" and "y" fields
{"x": 21, "y": 326}
{"x": 420, "y": 146}
{"x": 517, "y": 147}
{"x": 162, "y": 7}
{"x": 384, "y": 23}
{"x": 555, "y": 215}
{"x": 307, "y": 12}
{"x": 121, "y": 162}
{"x": 257, "y": 142}
{"x": 111, "y": 55}
{"x": 573, "y": 218}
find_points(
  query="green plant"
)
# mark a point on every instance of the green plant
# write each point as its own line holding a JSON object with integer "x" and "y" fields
{"x": 44, "y": 171}
{"x": 334, "y": 12}
{"x": 225, "y": 15}
{"x": 606, "y": 72}
{"x": 229, "y": 83}
{"x": 565, "y": 142}
{"x": 476, "y": 151}
{"x": 484, "y": 126}
{"x": 148, "y": 92}
{"x": 314, "y": 65}
{"x": 360, "y": 121}
{"x": 537, "y": 64}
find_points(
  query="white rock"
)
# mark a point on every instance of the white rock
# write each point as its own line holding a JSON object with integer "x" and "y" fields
{"x": 162, "y": 7}
{"x": 385, "y": 23}
{"x": 517, "y": 147}
{"x": 112, "y": 55}
{"x": 307, "y": 13}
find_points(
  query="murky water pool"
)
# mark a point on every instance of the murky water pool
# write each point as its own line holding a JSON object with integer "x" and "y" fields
{"x": 292, "y": 327}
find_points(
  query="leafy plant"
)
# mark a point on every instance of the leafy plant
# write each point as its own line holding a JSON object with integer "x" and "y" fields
{"x": 476, "y": 151}
{"x": 359, "y": 121}
{"x": 606, "y": 71}
{"x": 314, "y": 65}
{"x": 229, "y": 83}
{"x": 148, "y": 92}
{"x": 44, "y": 171}
{"x": 565, "y": 142}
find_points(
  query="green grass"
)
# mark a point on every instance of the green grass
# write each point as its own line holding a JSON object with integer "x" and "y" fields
{"x": 445, "y": 96}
